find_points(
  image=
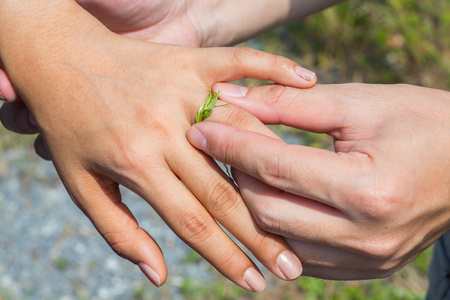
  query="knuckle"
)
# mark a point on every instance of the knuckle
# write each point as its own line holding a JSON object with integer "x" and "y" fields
{"x": 240, "y": 119}
{"x": 279, "y": 62}
{"x": 240, "y": 55}
{"x": 382, "y": 248}
{"x": 276, "y": 171}
{"x": 223, "y": 198}
{"x": 121, "y": 242}
{"x": 194, "y": 228}
{"x": 382, "y": 201}
{"x": 277, "y": 94}
{"x": 229, "y": 257}
{"x": 127, "y": 156}
{"x": 267, "y": 218}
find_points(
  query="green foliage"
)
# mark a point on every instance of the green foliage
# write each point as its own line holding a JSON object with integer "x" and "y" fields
{"x": 61, "y": 263}
{"x": 373, "y": 41}
{"x": 207, "y": 107}
{"x": 219, "y": 289}
{"x": 317, "y": 289}
{"x": 9, "y": 140}
{"x": 192, "y": 257}
{"x": 421, "y": 262}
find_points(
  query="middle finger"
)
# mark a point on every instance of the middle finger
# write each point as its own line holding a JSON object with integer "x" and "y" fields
{"x": 220, "y": 197}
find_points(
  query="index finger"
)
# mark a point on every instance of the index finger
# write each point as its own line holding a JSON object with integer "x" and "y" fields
{"x": 309, "y": 172}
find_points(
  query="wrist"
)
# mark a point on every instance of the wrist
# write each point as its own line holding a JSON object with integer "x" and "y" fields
{"x": 232, "y": 22}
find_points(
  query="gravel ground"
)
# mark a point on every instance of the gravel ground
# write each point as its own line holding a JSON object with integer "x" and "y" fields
{"x": 50, "y": 250}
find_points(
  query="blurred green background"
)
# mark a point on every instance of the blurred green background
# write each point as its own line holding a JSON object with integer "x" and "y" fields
{"x": 392, "y": 41}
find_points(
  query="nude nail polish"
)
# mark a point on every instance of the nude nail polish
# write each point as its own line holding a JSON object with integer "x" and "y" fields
{"x": 150, "y": 274}
{"x": 254, "y": 280}
{"x": 305, "y": 73}
{"x": 289, "y": 265}
{"x": 233, "y": 90}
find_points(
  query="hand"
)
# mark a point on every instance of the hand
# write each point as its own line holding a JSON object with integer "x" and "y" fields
{"x": 193, "y": 23}
{"x": 362, "y": 211}
{"x": 116, "y": 112}
{"x": 171, "y": 22}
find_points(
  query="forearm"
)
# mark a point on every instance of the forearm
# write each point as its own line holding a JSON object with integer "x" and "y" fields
{"x": 235, "y": 21}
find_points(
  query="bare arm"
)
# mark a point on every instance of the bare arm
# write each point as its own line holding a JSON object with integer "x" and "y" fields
{"x": 236, "y": 21}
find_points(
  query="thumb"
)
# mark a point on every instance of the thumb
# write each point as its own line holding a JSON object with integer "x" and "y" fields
{"x": 304, "y": 171}
{"x": 237, "y": 63}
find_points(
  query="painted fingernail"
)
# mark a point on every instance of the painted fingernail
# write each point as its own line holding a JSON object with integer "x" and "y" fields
{"x": 289, "y": 265}
{"x": 151, "y": 275}
{"x": 305, "y": 73}
{"x": 232, "y": 90}
{"x": 254, "y": 280}
{"x": 32, "y": 120}
{"x": 197, "y": 139}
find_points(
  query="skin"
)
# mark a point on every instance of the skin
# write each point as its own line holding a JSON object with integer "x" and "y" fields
{"x": 362, "y": 211}
{"x": 175, "y": 22}
{"x": 105, "y": 121}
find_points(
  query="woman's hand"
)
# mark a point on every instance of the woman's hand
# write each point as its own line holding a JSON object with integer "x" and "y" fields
{"x": 192, "y": 23}
{"x": 171, "y": 22}
{"x": 114, "y": 111}
{"x": 362, "y": 211}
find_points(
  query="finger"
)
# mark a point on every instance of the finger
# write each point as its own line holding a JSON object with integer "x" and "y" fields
{"x": 338, "y": 263}
{"x": 194, "y": 225}
{"x": 309, "y": 172}
{"x": 15, "y": 116}
{"x": 289, "y": 215}
{"x": 41, "y": 148}
{"x": 238, "y": 118}
{"x": 7, "y": 91}
{"x": 322, "y": 237}
{"x": 219, "y": 196}
{"x": 237, "y": 63}
{"x": 225, "y": 204}
{"x": 314, "y": 109}
{"x": 100, "y": 200}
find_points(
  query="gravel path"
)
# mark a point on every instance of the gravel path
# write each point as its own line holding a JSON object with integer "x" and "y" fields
{"x": 50, "y": 250}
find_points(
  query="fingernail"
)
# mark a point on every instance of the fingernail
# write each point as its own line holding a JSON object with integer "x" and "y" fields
{"x": 197, "y": 139}
{"x": 289, "y": 265}
{"x": 305, "y": 73}
{"x": 151, "y": 275}
{"x": 32, "y": 120}
{"x": 254, "y": 280}
{"x": 232, "y": 90}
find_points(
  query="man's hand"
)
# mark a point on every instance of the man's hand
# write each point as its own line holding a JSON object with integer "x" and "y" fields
{"x": 362, "y": 211}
